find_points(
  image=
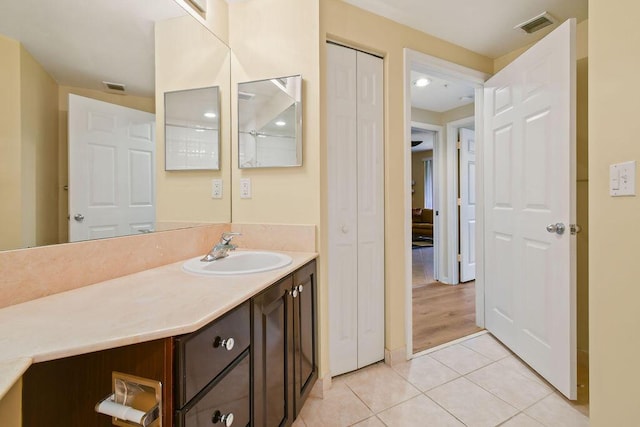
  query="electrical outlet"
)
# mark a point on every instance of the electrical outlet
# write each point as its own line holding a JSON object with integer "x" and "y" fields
{"x": 216, "y": 189}
{"x": 245, "y": 188}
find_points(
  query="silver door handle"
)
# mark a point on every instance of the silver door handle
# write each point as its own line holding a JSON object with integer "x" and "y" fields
{"x": 557, "y": 228}
{"x": 78, "y": 217}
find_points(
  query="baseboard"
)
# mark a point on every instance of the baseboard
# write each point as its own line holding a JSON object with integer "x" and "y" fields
{"x": 395, "y": 357}
{"x": 321, "y": 386}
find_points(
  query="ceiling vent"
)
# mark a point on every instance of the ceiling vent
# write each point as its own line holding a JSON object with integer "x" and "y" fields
{"x": 114, "y": 87}
{"x": 536, "y": 23}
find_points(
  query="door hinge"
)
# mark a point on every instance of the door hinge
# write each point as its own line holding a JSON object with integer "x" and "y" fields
{"x": 459, "y": 145}
{"x": 459, "y": 201}
{"x": 459, "y": 257}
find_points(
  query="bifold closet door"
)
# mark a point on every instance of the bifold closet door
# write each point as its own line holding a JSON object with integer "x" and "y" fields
{"x": 355, "y": 208}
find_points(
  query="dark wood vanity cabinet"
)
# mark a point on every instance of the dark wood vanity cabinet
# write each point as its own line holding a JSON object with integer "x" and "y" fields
{"x": 284, "y": 348}
{"x": 262, "y": 377}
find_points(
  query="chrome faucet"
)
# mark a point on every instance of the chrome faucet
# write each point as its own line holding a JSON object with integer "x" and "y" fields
{"x": 221, "y": 249}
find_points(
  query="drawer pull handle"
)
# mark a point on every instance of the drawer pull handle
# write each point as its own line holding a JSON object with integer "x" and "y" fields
{"x": 219, "y": 417}
{"x": 226, "y": 343}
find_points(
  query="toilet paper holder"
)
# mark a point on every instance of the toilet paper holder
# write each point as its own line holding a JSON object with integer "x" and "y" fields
{"x": 134, "y": 401}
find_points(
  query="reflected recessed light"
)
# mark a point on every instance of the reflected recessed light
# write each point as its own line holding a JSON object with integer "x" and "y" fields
{"x": 280, "y": 123}
{"x": 210, "y": 115}
{"x": 422, "y": 82}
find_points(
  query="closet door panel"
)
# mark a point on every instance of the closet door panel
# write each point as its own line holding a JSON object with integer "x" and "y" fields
{"x": 370, "y": 197}
{"x": 342, "y": 208}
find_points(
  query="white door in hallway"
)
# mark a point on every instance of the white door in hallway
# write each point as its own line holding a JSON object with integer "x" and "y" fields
{"x": 111, "y": 170}
{"x": 529, "y": 172}
{"x": 355, "y": 208}
{"x": 467, "y": 205}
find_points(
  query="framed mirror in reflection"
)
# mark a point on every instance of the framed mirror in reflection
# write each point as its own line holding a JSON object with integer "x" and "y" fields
{"x": 192, "y": 129}
{"x": 270, "y": 123}
{"x": 47, "y": 55}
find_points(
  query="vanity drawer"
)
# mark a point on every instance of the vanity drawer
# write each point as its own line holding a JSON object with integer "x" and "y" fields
{"x": 230, "y": 394}
{"x": 202, "y": 355}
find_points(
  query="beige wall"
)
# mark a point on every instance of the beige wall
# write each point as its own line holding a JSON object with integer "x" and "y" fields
{"x": 28, "y": 150}
{"x": 614, "y": 233}
{"x": 11, "y": 407}
{"x": 280, "y": 195}
{"x": 189, "y": 57}
{"x": 354, "y": 27}
{"x": 39, "y": 112}
{"x": 10, "y": 150}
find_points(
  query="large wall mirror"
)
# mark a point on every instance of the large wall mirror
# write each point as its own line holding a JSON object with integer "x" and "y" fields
{"x": 121, "y": 52}
{"x": 270, "y": 123}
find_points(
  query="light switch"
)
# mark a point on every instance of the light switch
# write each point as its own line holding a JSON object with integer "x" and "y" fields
{"x": 216, "y": 188}
{"x": 245, "y": 188}
{"x": 622, "y": 179}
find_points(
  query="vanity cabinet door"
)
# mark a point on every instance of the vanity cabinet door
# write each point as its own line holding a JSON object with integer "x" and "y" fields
{"x": 271, "y": 353}
{"x": 304, "y": 333}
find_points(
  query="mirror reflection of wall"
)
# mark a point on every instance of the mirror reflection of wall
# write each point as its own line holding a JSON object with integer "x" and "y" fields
{"x": 48, "y": 53}
{"x": 192, "y": 129}
{"x": 270, "y": 123}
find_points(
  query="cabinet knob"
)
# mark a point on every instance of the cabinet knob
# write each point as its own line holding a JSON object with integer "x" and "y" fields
{"x": 219, "y": 417}
{"x": 294, "y": 292}
{"x": 300, "y": 288}
{"x": 227, "y": 343}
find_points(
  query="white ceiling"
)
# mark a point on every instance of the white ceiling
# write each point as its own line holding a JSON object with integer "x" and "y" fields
{"x": 81, "y": 43}
{"x": 485, "y": 27}
{"x": 439, "y": 95}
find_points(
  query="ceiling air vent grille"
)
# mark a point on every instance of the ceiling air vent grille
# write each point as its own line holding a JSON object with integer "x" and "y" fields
{"x": 115, "y": 87}
{"x": 537, "y": 23}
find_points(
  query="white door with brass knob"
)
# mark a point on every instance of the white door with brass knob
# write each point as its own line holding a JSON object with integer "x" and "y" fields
{"x": 529, "y": 204}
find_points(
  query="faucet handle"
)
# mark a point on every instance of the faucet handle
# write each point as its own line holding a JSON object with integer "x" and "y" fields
{"x": 228, "y": 235}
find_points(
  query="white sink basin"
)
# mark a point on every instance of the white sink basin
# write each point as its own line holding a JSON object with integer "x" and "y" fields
{"x": 241, "y": 262}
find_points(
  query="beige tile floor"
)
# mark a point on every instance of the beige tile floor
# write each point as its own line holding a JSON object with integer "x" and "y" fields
{"x": 477, "y": 382}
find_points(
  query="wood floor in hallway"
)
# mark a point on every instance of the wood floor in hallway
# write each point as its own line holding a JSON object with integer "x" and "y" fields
{"x": 441, "y": 313}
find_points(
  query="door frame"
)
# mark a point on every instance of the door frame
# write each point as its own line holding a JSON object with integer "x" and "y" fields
{"x": 451, "y": 71}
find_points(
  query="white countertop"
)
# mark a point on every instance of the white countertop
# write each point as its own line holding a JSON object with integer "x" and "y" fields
{"x": 152, "y": 304}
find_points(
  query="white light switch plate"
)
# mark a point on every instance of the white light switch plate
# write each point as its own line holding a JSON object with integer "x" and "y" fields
{"x": 622, "y": 179}
{"x": 245, "y": 188}
{"x": 216, "y": 189}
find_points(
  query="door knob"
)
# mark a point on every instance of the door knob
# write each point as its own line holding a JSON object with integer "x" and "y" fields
{"x": 557, "y": 228}
{"x": 78, "y": 217}
{"x": 227, "y": 344}
{"x": 219, "y": 417}
{"x": 344, "y": 229}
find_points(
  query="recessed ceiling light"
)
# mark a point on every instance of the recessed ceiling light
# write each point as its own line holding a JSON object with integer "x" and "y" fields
{"x": 210, "y": 115}
{"x": 280, "y": 123}
{"x": 422, "y": 82}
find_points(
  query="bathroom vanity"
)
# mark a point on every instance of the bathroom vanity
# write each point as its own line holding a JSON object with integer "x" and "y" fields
{"x": 250, "y": 359}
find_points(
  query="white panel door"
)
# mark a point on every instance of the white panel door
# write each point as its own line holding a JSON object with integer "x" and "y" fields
{"x": 370, "y": 182}
{"x": 467, "y": 205}
{"x": 342, "y": 199}
{"x": 355, "y": 208}
{"x": 529, "y": 137}
{"x": 111, "y": 170}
